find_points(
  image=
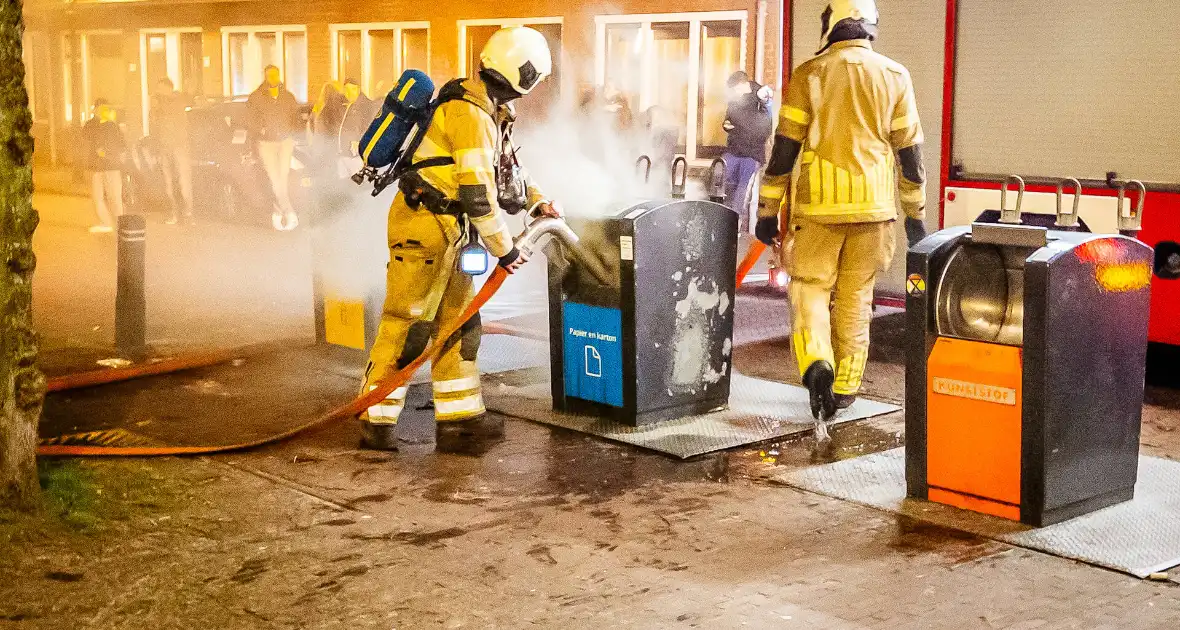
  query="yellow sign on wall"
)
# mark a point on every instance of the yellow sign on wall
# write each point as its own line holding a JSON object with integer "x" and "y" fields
{"x": 344, "y": 323}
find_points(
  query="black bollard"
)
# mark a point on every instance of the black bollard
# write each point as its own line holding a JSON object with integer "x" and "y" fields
{"x": 130, "y": 298}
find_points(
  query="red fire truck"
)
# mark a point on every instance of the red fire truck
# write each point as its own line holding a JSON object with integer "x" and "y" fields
{"x": 1048, "y": 90}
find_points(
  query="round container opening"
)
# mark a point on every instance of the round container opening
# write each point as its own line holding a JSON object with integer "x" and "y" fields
{"x": 981, "y": 294}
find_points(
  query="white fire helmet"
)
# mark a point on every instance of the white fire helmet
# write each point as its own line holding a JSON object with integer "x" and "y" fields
{"x": 839, "y": 10}
{"x": 520, "y": 55}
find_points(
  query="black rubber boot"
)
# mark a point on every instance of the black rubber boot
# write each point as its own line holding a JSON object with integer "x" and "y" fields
{"x": 819, "y": 379}
{"x": 378, "y": 437}
{"x": 844, "y": 401}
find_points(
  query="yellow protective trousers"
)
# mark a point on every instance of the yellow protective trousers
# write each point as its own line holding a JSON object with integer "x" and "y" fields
{"x": 833, "y": 271}
{"x": 424, "y": 292}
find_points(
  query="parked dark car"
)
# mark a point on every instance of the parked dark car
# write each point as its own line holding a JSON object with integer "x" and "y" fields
{"x": 229, "y": 182}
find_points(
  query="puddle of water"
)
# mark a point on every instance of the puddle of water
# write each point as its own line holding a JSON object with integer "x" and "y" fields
{"x": 542, "y": 462}
{"x": 854, "y": 439}
{"x": 587, "y": 466}
{"x": 912, "y": 537}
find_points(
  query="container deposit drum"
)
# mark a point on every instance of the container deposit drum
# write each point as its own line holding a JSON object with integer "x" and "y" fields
{"x": 1024, "y": 388}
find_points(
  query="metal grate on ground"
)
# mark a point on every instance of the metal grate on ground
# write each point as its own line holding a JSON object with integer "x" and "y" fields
{"x": 1140, "y": 537}
{"x": 759, "y": 410}
{"x": 106, "y": 437}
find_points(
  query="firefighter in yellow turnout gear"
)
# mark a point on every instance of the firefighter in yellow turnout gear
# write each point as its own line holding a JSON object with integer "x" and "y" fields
{"x": 457, "y": 192}
{"x": 850, "y": 121}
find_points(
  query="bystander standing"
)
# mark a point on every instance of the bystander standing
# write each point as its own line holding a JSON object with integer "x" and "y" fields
{"x": 749, "y": 125}
{"x": 105, "y": 151}
{"x": 274, "y": 121}
{"x": 168, "y": 120}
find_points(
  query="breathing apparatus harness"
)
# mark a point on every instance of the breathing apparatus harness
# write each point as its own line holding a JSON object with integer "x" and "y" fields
{"x": 511, "y": 187}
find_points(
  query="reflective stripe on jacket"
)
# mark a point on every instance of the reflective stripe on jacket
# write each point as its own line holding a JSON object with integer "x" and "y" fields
{"x": 468, "y": 131}
{"x": 852, "y": 109}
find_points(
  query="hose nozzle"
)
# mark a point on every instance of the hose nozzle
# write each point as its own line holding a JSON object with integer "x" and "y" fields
{"x": 529, "y": 241}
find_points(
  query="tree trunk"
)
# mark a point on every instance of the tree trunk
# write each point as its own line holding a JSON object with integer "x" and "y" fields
{"x": 22, "y": 386}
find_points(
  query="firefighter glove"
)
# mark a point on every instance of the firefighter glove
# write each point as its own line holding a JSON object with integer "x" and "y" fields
{"x": 915, "y": 230}
{"x": 513, "y": 260}
{"x": 767, "y": 230}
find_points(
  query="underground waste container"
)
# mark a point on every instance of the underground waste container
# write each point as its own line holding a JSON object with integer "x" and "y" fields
{"x": 1025, "y": 376}
{"x": 656, "y": 342}
{"x": 349, "y": 257}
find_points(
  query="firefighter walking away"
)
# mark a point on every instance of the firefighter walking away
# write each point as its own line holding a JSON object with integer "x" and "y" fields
{"x": 462, "y": 181}
{"x": 849, "y": 123}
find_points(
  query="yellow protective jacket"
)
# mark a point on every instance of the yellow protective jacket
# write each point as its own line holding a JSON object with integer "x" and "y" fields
{"x": 474, "y": 132}
{"x": 853, "y": 112}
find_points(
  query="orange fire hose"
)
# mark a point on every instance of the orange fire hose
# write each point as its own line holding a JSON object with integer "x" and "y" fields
{"x": 751, "y": 259}
{"x": 383, "y": 389}
{"x": 167, "y": 366}
{"x": 352, "y": 409}
{"x": 496, "y": 328}
{"x": 757, "y": 248}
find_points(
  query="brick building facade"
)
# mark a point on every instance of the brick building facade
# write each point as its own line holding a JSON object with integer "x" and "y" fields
{"x": 671, "y": 53}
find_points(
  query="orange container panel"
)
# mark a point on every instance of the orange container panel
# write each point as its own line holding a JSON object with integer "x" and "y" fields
{"x": 974, "y": 425}
{"x": 975, "y": 504}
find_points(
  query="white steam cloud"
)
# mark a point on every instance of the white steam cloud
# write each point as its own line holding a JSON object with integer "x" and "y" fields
{"x": 583, "y": 161}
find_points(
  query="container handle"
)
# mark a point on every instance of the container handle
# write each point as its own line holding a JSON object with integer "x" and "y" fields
{"x": 1131, "y": 219}
{"x": 643, "y": 165}
{"x": 679, "y": 184}
{"x": 1011, "y": 217}
{"x": 1068, "y": 219}
{"x": 717, "y": 181}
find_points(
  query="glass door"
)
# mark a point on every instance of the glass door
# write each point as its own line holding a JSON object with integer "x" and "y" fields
{"x": 173, "y": 54}
{"x": 720, "y": 57}
{"x": 376, "y": 54}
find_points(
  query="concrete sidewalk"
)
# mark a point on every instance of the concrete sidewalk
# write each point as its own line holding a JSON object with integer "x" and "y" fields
{"x": 212, "y": 285}
{"x": 544, "y": 528}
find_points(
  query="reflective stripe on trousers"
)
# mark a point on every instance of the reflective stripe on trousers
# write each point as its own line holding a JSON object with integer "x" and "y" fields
{"x": 458, "y": 399}
{"x": 388, "y": 410}
{"x": 833, "y": 272}
{"x": 424, "y": 285}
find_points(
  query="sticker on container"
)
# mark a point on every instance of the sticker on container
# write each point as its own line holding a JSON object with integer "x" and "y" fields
{"x": 627, "y": 247}
{"x": 975, "y": 391}
{"x": 593, "y": 354}
{"x": 916, "y": 285}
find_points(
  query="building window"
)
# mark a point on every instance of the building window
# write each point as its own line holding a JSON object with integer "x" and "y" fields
{"x": 248, "y": 50}
{"x": 38, "y": 75}
{"x": 93, "y": 67}
{"x": 678, "y": 63}
{"x": 175, "y": 54}
{"x": 377, "y": 54}
{"x": 474, "y": 34}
